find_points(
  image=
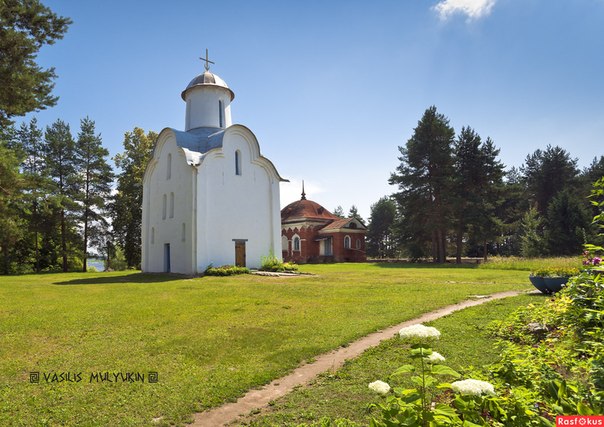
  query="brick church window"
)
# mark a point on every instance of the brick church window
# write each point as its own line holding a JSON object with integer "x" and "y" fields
{"x": 296, "y": 244}
{"x": 347, "y": 242}
{"x": 358, "y": 243}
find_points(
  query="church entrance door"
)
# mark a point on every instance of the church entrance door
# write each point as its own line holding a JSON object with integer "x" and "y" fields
{"x": 240, "y": 253}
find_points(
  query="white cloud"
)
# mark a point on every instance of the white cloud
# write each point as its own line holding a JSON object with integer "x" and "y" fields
{"x": 474, "y": 9}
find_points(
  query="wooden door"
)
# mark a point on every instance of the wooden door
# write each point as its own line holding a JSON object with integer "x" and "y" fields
{"x": 240, "y": 253}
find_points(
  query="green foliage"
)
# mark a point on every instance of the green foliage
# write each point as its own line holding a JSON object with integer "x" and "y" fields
{"x": 424, "y": 179}
{"x": 26, "y": 26}
{"x": 532, "y": 244}
{"x": 95, "y": 188}
{"x": 272, "y": 263}
{"x": 127, "y": 206}
{"x": 380, "y": 232}
{"x": 556, "y": 272}
{"x": 226, "y": 270}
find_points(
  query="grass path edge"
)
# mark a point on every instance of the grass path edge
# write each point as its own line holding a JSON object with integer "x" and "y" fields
{"x": 259, "y": 398}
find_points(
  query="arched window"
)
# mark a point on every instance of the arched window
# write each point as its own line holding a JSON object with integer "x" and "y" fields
{"x": 347, "y": 242}
{"x": 237, "y": 162}
{"x": 171, "y": 205}
{"x": 284, "y": 244}
{"x": 220, "y": 114}
{"x": 296, "y": 244}
{"x": 164, "y": 207}
{"x": 169, "y": 167}
{"x": 358, "y": 243}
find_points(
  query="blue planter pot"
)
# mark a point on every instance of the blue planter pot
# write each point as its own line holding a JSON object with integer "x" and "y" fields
{"x": 539, "y": 283}
{"x": 554, "y": 284}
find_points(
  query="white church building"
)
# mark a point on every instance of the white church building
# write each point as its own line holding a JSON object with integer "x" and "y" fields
{"x": 209, "y": 196}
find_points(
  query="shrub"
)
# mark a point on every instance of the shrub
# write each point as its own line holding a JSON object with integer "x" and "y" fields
{"x": 226, "y": 270}
{"x": 272, "y": 263}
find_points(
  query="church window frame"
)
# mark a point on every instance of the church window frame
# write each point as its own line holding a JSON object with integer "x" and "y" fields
{"x": 358, "y": 244}
{"x": 296, "y": 244}
{"x": 172, "y": 205}
{"x": 284, "y": 244}
{"x": 164, "y": 206}
{"x": 169, "y": 167}
{"x": 238, "y": 163}
{"x": 347, "y": 242}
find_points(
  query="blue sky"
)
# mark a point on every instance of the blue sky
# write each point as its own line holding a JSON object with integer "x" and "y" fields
{"x": 332, "y": 88}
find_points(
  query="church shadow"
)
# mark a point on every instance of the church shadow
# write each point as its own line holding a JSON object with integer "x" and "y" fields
{"x": 142, "y": 278}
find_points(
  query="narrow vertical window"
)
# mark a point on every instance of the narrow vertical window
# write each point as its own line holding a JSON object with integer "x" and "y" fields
{"x": 297, "y": 244}
{"x": 237, "y": 162}
{"x": 169, "y": 167}
{"x": 164, "y": 207}
{"x": 220, "y": 114}
{"x": 347, "y": 242}
{"x": 183, "y": 236}
{"x": 358, "y": 243}
{"x": 152, "y": 235}
{"x": 171, "y": 205}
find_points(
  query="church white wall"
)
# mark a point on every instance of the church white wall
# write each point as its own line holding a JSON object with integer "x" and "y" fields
{"x": 203, "y": 107}
{"x": 235, "y": 206}
{"x": 161, "y": 225}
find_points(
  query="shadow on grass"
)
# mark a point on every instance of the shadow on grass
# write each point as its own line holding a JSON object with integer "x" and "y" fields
{"x": 421, "y": 265}
{"x": 125, "y": 278}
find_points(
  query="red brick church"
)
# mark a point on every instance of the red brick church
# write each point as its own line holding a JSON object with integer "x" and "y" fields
{"x": 312, "y": 234}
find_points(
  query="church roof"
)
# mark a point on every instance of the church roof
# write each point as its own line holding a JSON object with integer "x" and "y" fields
{"x": 200, "y": 140}
{"x": 344, "y": 223}
{"x": 305, "y": 209}
{"x": 207, "y": 79}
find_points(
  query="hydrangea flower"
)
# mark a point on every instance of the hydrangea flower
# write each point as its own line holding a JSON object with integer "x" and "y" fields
{"x": 473, "y": 387}
{"x": 419, "y": 331}
{"x": 435, "y": 357}
{"x": 380, "y": 387}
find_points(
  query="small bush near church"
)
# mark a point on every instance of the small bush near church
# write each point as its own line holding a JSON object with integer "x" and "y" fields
{"x": 272, "y": 263}
{"x": 226, "y": 270}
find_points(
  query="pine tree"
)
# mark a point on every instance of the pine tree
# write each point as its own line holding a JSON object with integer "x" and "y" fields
{"x": 424, "y": 179}
{"x": 26, "y": 26}
{"x": 61, "y": 167}
{"x": 354, "y": 213}
{"x": 380, "y": 239}
{"x": 339, "y": 211}
{"x": 97, "y": 177}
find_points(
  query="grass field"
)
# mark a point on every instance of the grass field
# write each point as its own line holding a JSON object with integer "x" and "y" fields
{"x": 209, "y": 339}
{"x": 465, "y": 342}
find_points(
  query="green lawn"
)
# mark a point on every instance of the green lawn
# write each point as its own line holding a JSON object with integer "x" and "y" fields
{"x": 465, "y": 342}
{"x": 209, "y": 339}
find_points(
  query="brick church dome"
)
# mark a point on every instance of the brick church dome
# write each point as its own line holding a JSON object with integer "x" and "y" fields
{"x": 305, "y": 209}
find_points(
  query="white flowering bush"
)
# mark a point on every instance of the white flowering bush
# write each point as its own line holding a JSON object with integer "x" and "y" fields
{"x": 380, "y": 387}
{"x": 420, "y": 332}
{"x": 473, "y": 387}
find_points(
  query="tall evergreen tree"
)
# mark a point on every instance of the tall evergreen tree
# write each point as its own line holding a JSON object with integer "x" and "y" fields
{"x": 380, "y": 238}
{"x": 97, "y": 177}
{"x": 424, "y": 180}
{"x": 339, "y": 211}
{"x": 354, "y": 213}
{"x": 510, "y": 211}
{"x": 128, "y": 201}
{"x": 60, "y": 160}
{"x": 26, "y": 26}
{"x": 31, "y": 143}
{"x": 11, "y": 182}
{"x": 548, "y": 172}
{"x": 568, "y": 224}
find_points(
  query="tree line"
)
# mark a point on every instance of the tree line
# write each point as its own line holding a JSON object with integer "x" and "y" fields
{"x": 455, "y": 198}
{"x": 57, "y": 201}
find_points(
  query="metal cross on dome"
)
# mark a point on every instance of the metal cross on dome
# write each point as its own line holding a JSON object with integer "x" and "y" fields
{"x": 207, "y": 61}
